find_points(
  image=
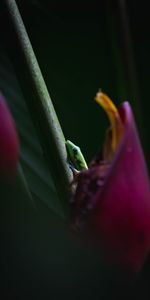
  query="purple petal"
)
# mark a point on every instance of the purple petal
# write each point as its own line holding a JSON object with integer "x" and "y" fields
{"x": 9, "y": 143}
{"x": 119, "y": 218}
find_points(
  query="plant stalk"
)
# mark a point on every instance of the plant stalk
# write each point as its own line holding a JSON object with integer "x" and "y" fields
{"x": 37, "y": 99}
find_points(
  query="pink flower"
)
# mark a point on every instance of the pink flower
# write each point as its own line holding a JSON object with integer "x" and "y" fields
{"x": 9, "y": 143}
{"x": 111, "y": 204}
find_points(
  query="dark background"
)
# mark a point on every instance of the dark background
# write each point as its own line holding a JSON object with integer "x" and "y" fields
{"x": 83, "y": 48}
{"x": 80, "y": 49}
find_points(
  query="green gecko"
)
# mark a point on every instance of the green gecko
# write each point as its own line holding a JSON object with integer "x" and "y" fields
{"x": 76, "y": 157}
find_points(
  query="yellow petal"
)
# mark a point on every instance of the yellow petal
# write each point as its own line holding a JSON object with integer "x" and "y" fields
{"x": 114, "y": 117}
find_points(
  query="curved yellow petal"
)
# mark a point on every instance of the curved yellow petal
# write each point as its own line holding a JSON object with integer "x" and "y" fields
{"x": 114, "y": 117}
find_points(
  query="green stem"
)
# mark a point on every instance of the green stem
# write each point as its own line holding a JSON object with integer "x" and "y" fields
{"x": 37, "y": 99}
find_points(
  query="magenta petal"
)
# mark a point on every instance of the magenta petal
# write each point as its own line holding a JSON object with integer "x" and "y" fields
{"x": 9, "y": 143}
{"x": 120, "y": 218}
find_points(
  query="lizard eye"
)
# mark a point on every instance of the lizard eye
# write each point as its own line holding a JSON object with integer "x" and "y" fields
{"x": 75, "y": 151}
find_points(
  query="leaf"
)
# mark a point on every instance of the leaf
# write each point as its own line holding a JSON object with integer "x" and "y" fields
{"x": 34, "y": 166}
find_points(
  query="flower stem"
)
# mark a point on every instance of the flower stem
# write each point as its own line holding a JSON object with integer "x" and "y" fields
{"x": 37, "y": 99}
